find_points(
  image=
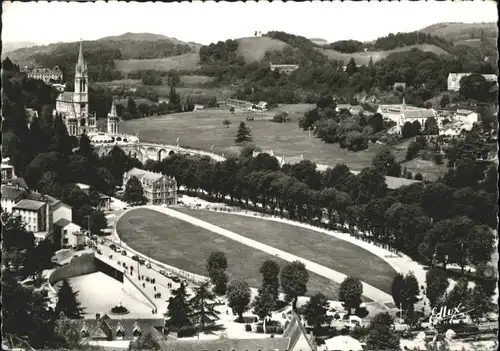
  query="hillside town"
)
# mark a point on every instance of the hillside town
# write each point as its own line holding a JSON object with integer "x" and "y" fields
{"x": 267, "y": 193}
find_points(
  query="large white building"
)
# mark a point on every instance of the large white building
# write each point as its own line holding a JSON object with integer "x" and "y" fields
{"x": 46, "y": 74}
{"x": 454, "y": 79}
{"x": 74, "y": 106}
{"x": 158, "y": 188}
{"x": 403, "y": 113}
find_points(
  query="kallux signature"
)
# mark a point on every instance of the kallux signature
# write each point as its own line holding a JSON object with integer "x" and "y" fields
{"x": 448, "y": 315}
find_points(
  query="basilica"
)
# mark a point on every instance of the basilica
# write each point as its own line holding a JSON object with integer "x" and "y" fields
{"x": 74, "y": 106}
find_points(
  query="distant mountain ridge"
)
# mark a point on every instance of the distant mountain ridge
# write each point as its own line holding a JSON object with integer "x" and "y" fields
{"x": 14, "y": 45}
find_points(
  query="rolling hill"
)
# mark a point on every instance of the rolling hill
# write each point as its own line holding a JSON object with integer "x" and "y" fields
{"x": 253, "y": 48}
{"x": 362, "y": 58}
{"x": 455, "y": 32}
{"x": 11, "y": 46}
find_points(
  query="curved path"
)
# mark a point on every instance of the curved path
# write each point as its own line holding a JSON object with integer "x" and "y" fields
{"x": 368, "y": 290}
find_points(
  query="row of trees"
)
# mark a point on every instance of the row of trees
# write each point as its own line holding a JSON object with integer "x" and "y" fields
{"x": 411, "y": 218}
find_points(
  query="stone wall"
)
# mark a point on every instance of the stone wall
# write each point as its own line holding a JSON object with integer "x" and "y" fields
{"x": 84, "y": 264}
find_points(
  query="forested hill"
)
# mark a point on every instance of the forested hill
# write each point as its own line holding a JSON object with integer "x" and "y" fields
{"x": 459, "y": 32}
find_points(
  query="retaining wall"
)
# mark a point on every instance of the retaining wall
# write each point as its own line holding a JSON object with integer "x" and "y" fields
{"x": 84, "y": 264}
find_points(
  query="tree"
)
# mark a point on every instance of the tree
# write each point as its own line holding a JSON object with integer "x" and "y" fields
{"x": 217, "y": 260}
{"x": 386, "y": 162}
{"x": 270, "y": 271}
{"x": 315, "y": 311}
{"x": 459, "y": 294}
{"x": 203, "y": 310}
{"x": 131, "y": 107}
{"x": 231, "y": 109}
{"x": 238, "y": 294}
{"x": 293, "y": 279}
{"x": 479, "y": 302}
{"x": 146, "y": 342}
{"x": 134, "y": 192}
{"x": 431, "y": 126}
{"x": 264, "y": 303}
{"x": 351, "y": 67}
{"x": 381, "y": 336}
{"x": 174, "y": 100}
{"x": 476, "y": 87}
{"x": 350, "y": 293}
{"x": 398, "y": 287}
{"x": 226, "y": 123}
{"x": 243, "y": 135}
{"x": 437, "y": 283}
{"x": 371, "y": 185}
{"x": 376, "y": 121}
{"x": 179, "y": 309}
{"x": 219, "y": 279}
{"x": 67, "y": 302}
{"x": 445, "y": 100}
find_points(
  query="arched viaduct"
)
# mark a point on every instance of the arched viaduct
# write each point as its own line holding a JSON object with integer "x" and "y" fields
{"x": 151, "y": 151}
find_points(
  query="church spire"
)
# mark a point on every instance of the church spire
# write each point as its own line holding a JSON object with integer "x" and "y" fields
{"x": 113, "y": 110}
{"x": 80, "y": 61}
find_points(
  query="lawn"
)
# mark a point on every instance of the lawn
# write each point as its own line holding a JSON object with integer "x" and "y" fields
{"x": 204, "y": 128}
{"x": 186, "y": 246}
{"x": 186, "y": 62}
{"x": 323, "y": 249}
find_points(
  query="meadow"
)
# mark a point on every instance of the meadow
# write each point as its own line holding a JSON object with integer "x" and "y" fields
{"x": 203, "y": 129}
{"x": 331, "y": 252}
{"x": 186, "y": 246}
{"x": 186, "y": 62}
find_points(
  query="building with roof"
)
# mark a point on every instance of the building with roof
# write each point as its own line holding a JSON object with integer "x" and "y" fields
{"x": 294, "y": 338}
{"x": 455, "y": 78}
{"x": 74, "y": 106}
{"x": 33, "y": 214}
{"x": 7, "y": 173}
{"x": 39, "y": 212}
{"x": 105, "y": 328}
{"x": 46, "y": 74}
{"x": 67, "y": 234}
{"x": 356, "y": 110}
{"x": 400, "y": 114}
{"x": 11, "y": 195}
{"x": 283, "y": 68}
{"x": 158, "y": 188}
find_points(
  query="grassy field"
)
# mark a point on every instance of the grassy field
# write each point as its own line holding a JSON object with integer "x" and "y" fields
{"x": 202, "y": 129}
{"x": 186, "y": 246}
{"x": 254, "y": 48}
{"x": 363, "y": 58}
{"x": 188, "y": 62}
{"x": 328, "y": 251}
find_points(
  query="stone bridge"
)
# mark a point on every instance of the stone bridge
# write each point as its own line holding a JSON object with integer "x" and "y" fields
{"x": 152, "y": 151}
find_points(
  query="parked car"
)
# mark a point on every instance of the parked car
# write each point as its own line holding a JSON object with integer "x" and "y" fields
{"x": 141, "y": 261}
{"x": 112, "y": 246}
{"x": 176, "y": 279}
{"x": 162, "y": 272}
{"x": 135, "y": 258}
{"x": 148, "y": 265}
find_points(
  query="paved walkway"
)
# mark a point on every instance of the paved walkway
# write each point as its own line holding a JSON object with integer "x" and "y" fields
{"x": 368, "y": 290}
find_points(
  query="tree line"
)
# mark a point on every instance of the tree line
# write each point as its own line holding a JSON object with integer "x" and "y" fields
{"x": 411, "y": 219}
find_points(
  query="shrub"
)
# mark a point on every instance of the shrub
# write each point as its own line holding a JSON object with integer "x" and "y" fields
{"x": 260, "y": 329}
{"x": 186, "y": 332}
{"x": 248, "y": 327}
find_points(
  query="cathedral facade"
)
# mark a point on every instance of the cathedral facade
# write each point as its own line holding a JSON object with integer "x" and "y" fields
{"x": 74, "y": 106}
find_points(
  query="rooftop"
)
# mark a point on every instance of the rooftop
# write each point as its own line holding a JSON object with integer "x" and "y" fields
{"x": 29, "y": 205}
{"x": 11, "y": 192}
{"x": 142, "y": 174}
{"x": 63, "y": 222}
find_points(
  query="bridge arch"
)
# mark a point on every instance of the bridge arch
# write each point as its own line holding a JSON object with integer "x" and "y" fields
{"x": 164, "y": 153}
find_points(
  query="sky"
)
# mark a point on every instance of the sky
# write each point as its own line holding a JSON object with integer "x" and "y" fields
{"x": 44, "y": 22}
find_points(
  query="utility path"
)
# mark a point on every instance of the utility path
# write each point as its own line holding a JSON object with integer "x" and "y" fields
{"x": 368, "y": 290}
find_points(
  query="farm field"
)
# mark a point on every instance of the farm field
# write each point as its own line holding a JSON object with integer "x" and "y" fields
{"x": 323, "y": 249}
{"x": 186, "y": 246}
{"x": 188, "y": 62}
{"x": 363, "y": 58}
{"x": 202, "y": 129}
{"x": 254, "y": 48}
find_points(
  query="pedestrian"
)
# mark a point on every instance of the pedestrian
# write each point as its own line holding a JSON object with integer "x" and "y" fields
{"x": 144, "y": 285}
{"x": 154, "y": 288}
